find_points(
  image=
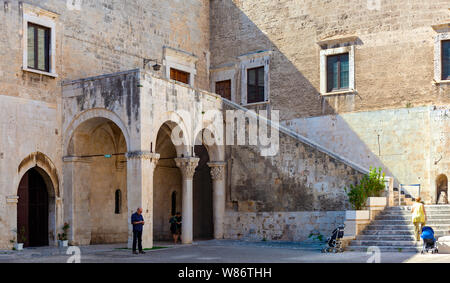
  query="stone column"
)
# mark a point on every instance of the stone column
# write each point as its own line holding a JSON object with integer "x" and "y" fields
{"x": 187, "y": 167}
{"x": 140, "y": 169}
{"x": 218, "y": 178}
{"x": 76, "y": 180}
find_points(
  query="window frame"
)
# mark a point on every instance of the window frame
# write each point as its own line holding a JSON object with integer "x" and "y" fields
{"x": 324, "y": 53}
{"x": 443, "y": 34}
{"x": 224, "y": 73}
{"x": 250, "y": 61}
{"x": 46, "y": 23}
{"x": 339, "y": 73}
{"x": 442, "y": 60}
{"x": 47, "y": 43}
{"x": 223, "y": 82}
{"x": 180, "y": 71}
{"x": 257, "y": 81}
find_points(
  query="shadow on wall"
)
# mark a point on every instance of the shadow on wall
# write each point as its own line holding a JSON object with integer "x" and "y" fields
{"x": 234, "y": 33}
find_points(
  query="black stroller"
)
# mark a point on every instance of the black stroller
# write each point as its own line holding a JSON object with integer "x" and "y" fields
{"x": 334, "y": 243}
{"x": 429, "y": 241}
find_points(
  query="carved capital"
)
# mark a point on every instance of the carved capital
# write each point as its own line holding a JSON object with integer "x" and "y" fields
{"x": 187, "y": 166}
{"x": 217, "y": 170}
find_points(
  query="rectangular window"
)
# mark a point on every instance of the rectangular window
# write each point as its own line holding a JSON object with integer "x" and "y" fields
{"x": 255, "y": 85}
{"x": 223, "y": 89}
{"x": 338, "y": 72}
{"x": 446, "y": 60}
{"x": 179, "y": 76}
{"x": 38, "y": 47}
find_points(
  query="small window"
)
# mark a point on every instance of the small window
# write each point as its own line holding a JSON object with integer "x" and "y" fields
{"x": 118, "y": 202}
{"x": 338, "y": 72}
{"x": 179, "y": 76}
{"x": 446, "y": 60}
{"x": 255, "y": 85}
{"x": 38, "y": 45}
{"x": 223, "y": 89}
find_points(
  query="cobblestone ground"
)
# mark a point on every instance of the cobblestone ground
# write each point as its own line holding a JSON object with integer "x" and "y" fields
{"x": 213, "y": 251}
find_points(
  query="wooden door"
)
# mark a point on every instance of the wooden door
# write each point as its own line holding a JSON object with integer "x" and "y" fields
{"x": 32, "y": 209}
{"x": 223, "y": 89}
{"x": 22, "y": 210}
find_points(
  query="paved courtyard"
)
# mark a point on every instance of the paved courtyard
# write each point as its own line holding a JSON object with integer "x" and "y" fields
{"x": 213, "y": 252}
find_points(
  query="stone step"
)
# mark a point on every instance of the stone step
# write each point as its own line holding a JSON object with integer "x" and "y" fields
{"x": 430, "y": 222}
{"x": 427, "y": 207}
{"x": 385, "y": 249}
{"x": 432, "y": 217}
{"x": 405, "y": 227}
{"x": 437, "y": 233}
{"x": 386, "y": 243}
{"x": 409, "y": 237}
{"x": 408, "y": 214}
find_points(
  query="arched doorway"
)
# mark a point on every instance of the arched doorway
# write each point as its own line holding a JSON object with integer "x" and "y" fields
{"x": 97, "y": 153}
{"x": 442, "y": 189}
{"x": 167, "y": 187}
{"x": 202, "y": 195}
{"x": 33, "y": 209}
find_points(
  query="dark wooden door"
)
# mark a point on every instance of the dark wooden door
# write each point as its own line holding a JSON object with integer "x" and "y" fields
{"x": 223, "y": 89}
{"x": 32, "y": 209}
{"x": 22, "y": 211}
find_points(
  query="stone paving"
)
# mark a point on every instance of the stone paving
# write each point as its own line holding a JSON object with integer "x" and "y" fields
{"x": 214, "y": 252}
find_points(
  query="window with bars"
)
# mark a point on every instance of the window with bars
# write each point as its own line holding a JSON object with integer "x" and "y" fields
{"x": 255, "y": 85}
{"x": 338, "y": 72}
{"x": 446, "y": 60}
{"x": 38, "y": 44}
{"x": 179, "y": 76}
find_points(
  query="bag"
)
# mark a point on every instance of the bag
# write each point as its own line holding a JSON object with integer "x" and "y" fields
{"x": 418, "y": 215}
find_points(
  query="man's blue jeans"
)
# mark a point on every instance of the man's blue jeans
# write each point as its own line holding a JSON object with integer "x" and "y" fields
{"x": 137, "y": 238}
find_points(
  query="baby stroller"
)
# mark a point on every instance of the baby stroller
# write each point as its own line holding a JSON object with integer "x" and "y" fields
{"x": 429, "y": 242}
{"x": 334, "y": 243}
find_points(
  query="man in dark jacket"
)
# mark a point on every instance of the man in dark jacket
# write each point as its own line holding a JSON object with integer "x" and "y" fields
{"x": 138, "y": 224}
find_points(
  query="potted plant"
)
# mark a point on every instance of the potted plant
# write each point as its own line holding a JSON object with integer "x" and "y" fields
{"x": 364, "y": 197}
{"x": 21, "y": 239}
{"x": 62, "y": 238}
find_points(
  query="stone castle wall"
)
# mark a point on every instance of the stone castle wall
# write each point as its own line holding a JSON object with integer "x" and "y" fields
{"x": 394, "y": 50}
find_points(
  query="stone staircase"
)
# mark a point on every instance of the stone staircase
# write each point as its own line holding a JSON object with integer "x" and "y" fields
{"x": 393, "y": 231}
{"x": 406, "y": 200}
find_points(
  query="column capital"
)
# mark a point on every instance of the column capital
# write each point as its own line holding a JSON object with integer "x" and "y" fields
{"x": 146, "y": 155}
{"x": 217, "y": 170}
{"x": 187, "y": 166}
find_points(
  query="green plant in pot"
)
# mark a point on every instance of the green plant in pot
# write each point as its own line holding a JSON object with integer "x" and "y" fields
{"x": 371, "y": 185}
{"x": 62, "y": 237}
{"x": 20, "y": 239}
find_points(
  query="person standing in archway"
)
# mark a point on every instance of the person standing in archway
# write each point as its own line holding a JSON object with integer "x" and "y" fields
{"x": 419, "y": 217}
{"x": 138, "y": 226}
{"x": 175, "y": 227}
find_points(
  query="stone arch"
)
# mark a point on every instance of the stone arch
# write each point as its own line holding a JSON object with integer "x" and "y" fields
{"x": 43, "y": 164}
{"x": 87, "y": 115}
{"x": 216, "y": 151}
{"x": 95, "y": 159}
{"x": 442, "y": 186}
{"x": 173, "y": 120}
